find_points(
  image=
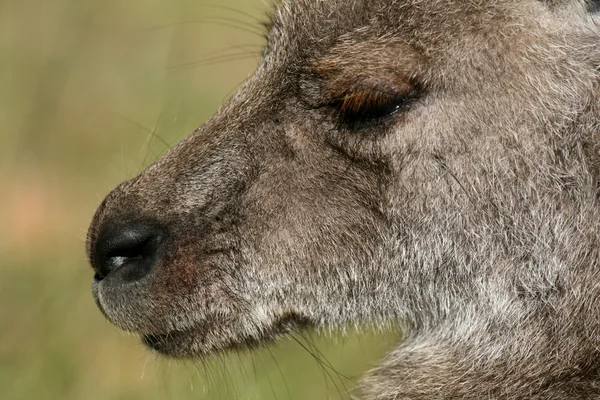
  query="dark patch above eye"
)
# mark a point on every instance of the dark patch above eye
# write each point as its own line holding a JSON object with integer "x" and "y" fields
{"x": 593, "y": 6}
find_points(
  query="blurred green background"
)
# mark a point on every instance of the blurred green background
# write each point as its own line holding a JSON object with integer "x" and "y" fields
{"x": 83, "y": 84}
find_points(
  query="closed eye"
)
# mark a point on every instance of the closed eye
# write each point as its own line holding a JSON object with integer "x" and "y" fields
{"x": 364, "y": 107}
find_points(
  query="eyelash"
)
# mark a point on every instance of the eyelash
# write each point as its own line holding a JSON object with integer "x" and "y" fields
{"x": 364, "y": 108}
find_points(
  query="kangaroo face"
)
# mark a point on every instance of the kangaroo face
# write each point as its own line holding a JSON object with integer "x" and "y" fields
{"x": 379, "y": 165}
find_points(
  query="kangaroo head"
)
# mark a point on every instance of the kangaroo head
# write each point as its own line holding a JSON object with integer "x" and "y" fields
{"x": 433, "y": 163}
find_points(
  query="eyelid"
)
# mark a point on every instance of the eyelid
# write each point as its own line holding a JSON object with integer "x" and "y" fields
{"x": 367, "y": 104}
{"x": 356, "y": 101}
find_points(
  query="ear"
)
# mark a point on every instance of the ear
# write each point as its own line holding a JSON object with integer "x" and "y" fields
{"x": 590, "y": 6}
{"x": 575, "y": 11}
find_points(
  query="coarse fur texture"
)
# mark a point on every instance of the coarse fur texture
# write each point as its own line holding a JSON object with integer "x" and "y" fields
{"x": 430, "y": 163}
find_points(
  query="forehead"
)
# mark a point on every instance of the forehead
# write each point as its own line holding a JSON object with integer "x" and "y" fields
{"x": 319, "y": 23}
{"x": 310, "y": 24}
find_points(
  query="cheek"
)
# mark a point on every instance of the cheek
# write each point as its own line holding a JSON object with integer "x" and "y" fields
{"x": 312, "y": 212}
{"x": 311, "y": 233}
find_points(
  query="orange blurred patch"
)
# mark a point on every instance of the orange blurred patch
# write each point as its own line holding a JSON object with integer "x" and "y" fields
{"x": 32, "y": 214}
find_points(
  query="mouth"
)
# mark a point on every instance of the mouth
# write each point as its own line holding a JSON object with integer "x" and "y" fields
{"x": 178, "y": 343}
{"x": 203, "y": 341}
{"x": 216, "y": 326}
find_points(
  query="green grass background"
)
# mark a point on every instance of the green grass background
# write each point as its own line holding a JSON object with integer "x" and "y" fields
{"x": 83, "y": 83}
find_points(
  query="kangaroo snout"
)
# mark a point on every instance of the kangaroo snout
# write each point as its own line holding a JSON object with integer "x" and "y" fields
{"x": 164, "y": 242}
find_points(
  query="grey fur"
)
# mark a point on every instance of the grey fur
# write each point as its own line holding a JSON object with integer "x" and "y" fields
{"x": 470, "y": 219}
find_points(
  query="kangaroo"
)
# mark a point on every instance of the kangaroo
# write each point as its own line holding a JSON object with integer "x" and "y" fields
{"x": 431, "y": 164}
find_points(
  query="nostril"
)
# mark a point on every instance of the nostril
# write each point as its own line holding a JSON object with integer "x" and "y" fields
{"x": 132, "y": 248}
{"x": 129, "y": 247}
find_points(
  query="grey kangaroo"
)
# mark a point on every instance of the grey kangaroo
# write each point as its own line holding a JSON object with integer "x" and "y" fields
{"x": 434, "y": 164}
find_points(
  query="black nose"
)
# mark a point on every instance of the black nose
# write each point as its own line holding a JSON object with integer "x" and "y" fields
{"x": 128, "y": 249}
